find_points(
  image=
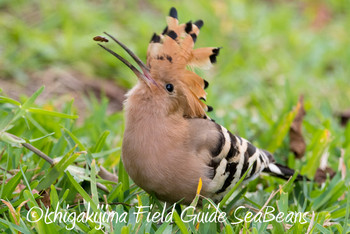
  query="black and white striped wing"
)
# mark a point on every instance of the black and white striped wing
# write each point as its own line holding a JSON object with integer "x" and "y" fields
{"x": 233, "y": 157}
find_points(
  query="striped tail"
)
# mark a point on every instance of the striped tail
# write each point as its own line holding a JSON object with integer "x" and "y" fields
{"x": 281, "y": 171}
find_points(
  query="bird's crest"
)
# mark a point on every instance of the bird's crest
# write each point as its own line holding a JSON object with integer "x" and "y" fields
{"x": 170, "y": 54}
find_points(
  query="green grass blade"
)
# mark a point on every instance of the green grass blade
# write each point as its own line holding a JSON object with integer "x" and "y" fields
{"x": 5, "y": 172}
{"x": 281, "y": 130}
{"x": 53, "y": 196}
{"x": 27, "y": 184}
{"x": 346, "y": 221}
{"x": 228, "y": 229}
{"x": 22, "y": 110}
{"x": 11, "y": 185}
{"x": 163, "y": 228}
{"x": 123, "y": 176}
{"x": 101, "y": 141}
{"x": 229, "y": 194}
{"x": 313, "y": 162}
{"x": 40, "y": 138}
{"x": 104, "y": 153}
{"x": 13, "y": 226}
{"x": 6, "y": 137}
{"x": 75, "y": 139}
{"x": 30, "y": 101}
{"x": 180, "y": 223}
{"x": 329, "y": 193}
{"x": 9, "y": 100}
{"x": 58, "y": 169}
{"x": 94, "y": 192}
{"x": 51, "y": 113}
{"x": 82, "y": 192}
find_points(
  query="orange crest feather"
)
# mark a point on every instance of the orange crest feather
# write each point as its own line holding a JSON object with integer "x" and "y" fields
{"x": 170, "y": 53}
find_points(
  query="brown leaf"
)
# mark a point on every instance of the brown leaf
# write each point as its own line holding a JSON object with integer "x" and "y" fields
{"x": 44, "y": 198}
{"x": 296, "y": 140}
{"x": 322, "y": 16}
{"x": 344, "y": 117}
{"x": 12, "y": 210}
{"x": 342, "y": 166}
{"x": 321, "y": 175}
{"x": 19, "y": 188}
{"x": 78, "y": 198}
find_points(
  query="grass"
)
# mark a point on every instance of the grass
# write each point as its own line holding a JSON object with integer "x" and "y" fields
{"x": 273, "y": 51}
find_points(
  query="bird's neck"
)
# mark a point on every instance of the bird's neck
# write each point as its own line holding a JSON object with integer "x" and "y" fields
{"x": 147, "y": 117}
{"x": 144, "y": 114}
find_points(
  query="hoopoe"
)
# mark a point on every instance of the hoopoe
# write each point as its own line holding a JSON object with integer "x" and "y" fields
{"x": 169, "y": 141}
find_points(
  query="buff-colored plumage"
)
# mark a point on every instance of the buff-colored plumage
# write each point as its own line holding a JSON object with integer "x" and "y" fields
{"x": 169, "y": 141}
{"x": 170, "y": 53}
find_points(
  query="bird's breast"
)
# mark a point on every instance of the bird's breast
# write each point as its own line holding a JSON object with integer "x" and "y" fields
{"x": 159, "y": 159}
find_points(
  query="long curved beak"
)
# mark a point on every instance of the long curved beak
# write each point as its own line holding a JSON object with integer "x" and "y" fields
{"x": 144, "y": 75}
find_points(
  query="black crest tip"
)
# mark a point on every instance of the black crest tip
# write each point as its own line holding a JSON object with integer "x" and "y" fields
{"x": 165, "y": 30}
{"x": 172, "y": 34}
{"x": 173, "y": 13}
{"x": 206, "y": 84}
{"x": 210, "y": 108}
{"x": 194, "y": 37}
{"x": 155, "y": 38}
{"x": 216, "y": 51}
{"x": 212, "y": 58}
{"x": 188, "y": 27}
{"x": 199, "y": 23}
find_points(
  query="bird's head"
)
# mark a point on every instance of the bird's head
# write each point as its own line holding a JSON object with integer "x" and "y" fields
{"x": 167, "y": 79}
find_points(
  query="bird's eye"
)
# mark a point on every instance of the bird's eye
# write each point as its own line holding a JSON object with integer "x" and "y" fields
{"x": 169, "y": 87}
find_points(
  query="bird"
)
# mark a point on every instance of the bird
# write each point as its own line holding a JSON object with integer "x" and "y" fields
{"x": 169, "y": 141}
